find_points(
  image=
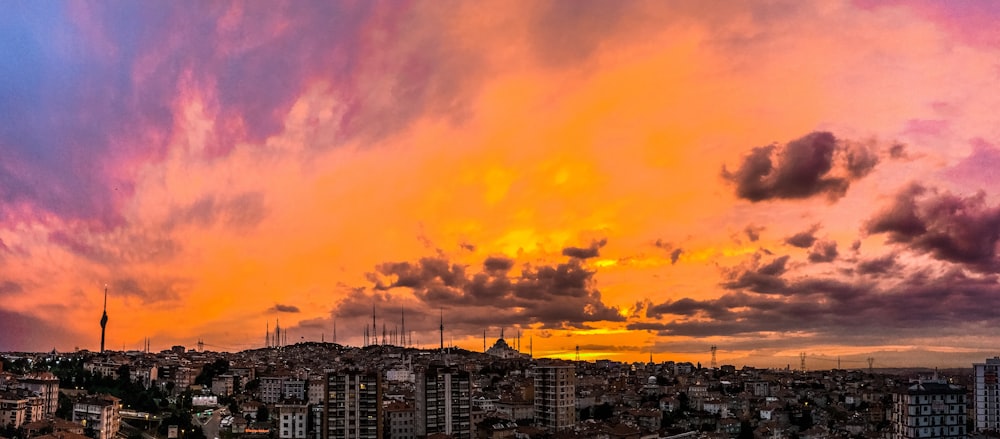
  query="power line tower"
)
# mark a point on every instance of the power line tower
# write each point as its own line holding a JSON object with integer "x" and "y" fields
{"x": 871, "y": 361}
{"x": 714, "y": 348}
{"x": 802, "y": 359}
{"x": 201, "y": 345}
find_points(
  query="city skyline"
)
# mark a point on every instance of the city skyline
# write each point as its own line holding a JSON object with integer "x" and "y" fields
{"x": 631, "y": 178}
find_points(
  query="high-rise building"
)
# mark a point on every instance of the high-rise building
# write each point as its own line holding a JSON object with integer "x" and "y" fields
{"x": 555, "y": 396}
{"x": 443, "y": 402}
{"x": 929, "y": 409}
{"x": 353, "y": 403}
{"x": 987, "y": 395}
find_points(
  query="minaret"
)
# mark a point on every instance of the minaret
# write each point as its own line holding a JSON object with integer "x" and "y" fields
{"x": 442, "y": 329}
{"x": 402, "y": 323}
{"x": 374, "y": 328}
{"x": 104, "y": 317}
{"x": 334, "y": 331}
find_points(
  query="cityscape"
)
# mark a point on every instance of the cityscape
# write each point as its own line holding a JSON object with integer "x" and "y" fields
{"x": 318, "y": 219}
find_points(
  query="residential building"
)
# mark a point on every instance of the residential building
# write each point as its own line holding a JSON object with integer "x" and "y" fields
{"x": 399, "y": 421}
{"x": 13, "y": 408}
{"x": 929, "y": 409}
{"x": 353, "y": 405}
{"x": 272, "y": 389}
{"x": 45, "y": 385}
{"x": 292, "y": 420}
{"x": 443, "y": 401}
{"x": 986, "y": 394}
{"x": 99, "y": 413}
{"x": 555, "y": 396}
{"x": 222, "y": 385}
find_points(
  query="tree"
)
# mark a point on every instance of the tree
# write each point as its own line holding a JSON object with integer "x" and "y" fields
{"x": 262, "y": 414}
{"x": 603, "y": 412}
{"x": 746, "y": 430}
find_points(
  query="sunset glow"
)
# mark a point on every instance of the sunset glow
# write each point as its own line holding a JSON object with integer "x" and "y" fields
{"x": 626, "y": 178}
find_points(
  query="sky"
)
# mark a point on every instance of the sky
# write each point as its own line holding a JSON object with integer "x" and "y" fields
{"x": 631, "y": 178}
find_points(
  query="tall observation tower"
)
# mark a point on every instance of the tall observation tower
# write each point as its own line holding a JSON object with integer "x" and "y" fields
{"x": 104, "y": 318}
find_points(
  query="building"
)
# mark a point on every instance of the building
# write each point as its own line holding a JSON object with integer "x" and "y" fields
{"x": 987, "y": 395}
{"x": 555, "y": 396}
{"x": 222, "y": 385}
{"x": 292, "y": 420}
{"x": 13, "y": 409}
{"x": 502, "y": 350}
{"x": 399, "y": 421}
{"x": 99, "y": 413}
{"x": 45, "y": 385}
{"x": 929, "y": 409}
{"x": 272, "y": 389}
{"x": 353, "y": 405}
{"x": 443, "y": 401}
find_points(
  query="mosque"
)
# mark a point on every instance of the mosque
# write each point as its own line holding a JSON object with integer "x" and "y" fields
{"x": 502, "y": 350}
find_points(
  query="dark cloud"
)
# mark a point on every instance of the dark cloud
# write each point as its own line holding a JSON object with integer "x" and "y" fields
{"x": 759, "y": 278}
{"x": 8, "y": 287}
{"x": 284, "y": 308}
{"x": 495, "y": 296}
{"x": 883, "y": 265}
{"x": 27, "y": 333}
{"x": 898, "y": 151}
{"x": 498, "y": 263}
{"x": 949, "y": 227}
{"x": 805, "y": 167}
{"x": 860, "y": 160}
{"x": 674, "y": 255}
{"x": 593, "y": 251}
{"x": 803, "y": 239}
{"x": 823, "y": 251}
{"x": 753, "y": 232}
{"x": 841, "y": 308}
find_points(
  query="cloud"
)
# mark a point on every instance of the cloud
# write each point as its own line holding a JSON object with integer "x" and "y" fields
{"x": 239, "y": 211}
{"x": 979, "y": 168}
{"x": 817, "y": 164}
{"x": 883, "y": 265}
{"x": 803, "y": 239}
{"x": 10, "y": 287}
{"x": 495, "y": 296}
{"x": 759, "y": 278}
{"x": 753, "y": 232}
{"x": 592, "y": 251}
{"x": 823, "y": 251}
{"x": 674, "y": 255}
{"x": 149, "y": 290}
{"x": 26, "y": 333}
{"x": 284, "y": 308}
{"x": 949, "y": 227}
{"x": 498, "y": 264}
{"x": 828, "y": 307}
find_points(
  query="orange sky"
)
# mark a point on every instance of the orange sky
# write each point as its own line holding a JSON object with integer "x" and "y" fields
{"x": 632, "y": 178}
